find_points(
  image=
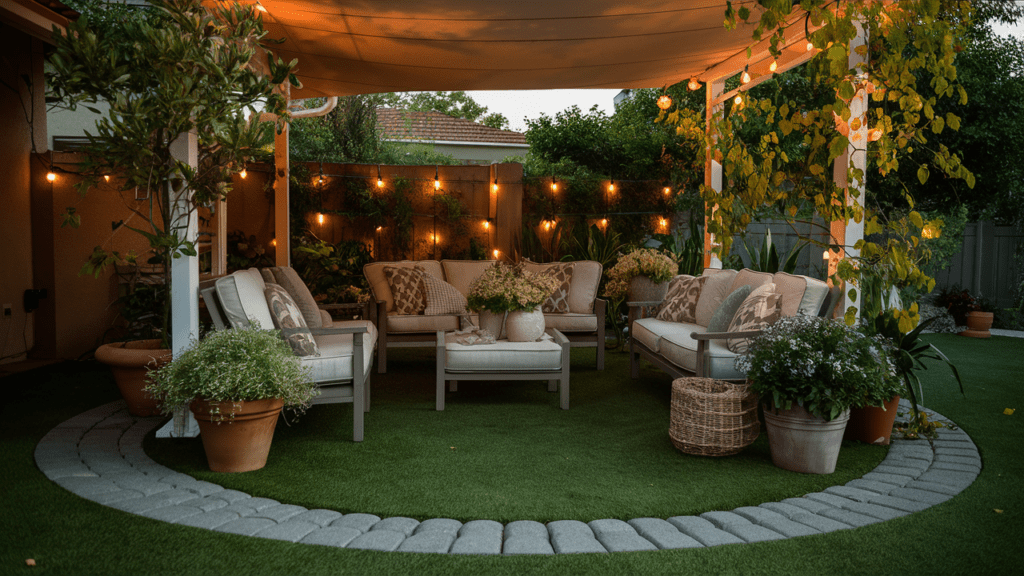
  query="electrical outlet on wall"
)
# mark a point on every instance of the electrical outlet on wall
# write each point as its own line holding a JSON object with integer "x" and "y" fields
{"x": 8, "y": 310}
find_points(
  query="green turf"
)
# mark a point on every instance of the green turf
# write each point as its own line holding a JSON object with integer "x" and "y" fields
{"x": 68, "y": 535}
{"x": 504, "y": 451}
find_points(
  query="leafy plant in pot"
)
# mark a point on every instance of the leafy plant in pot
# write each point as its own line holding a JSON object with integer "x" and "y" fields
{"x": 809, "y": 372}
{"x": 508, "y": 297}
{"x": 177, "y": 71}
{"x": 236, "y": 383}
{"x": 642, "y": 274}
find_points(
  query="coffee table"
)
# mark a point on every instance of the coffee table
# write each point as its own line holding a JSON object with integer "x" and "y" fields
{"x": 504, "y": 360}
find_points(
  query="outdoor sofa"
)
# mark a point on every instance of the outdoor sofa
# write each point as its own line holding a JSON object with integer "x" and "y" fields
{"x": 401, "y": 324}
{"x": 734, "y": 304}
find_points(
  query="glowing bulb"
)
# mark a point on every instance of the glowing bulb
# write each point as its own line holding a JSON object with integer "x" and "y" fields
{"x": 496, "y": 252}
{"x": 693, "y": 84}
{"x": 604, "y": 221}
{"x": 320, "y": 218}
{"x": 745, "y": 77}
{"x": 810, "y": 45}
{"x": 243, "y": 174}
{"x": 611, "y": 186}
{"x": 665, "y": 102}
{"x": 824, "y": 256}
{"x": 437, "y": 183}
{"x": 547, "y": 225}
{"x": 379, "y": 228}
{"x": 435, "y": 238}
{"x": 494, "y": 187}
{"x": 773, "y": 66}
{"x": 667, "y": 191}
{"x": 51, "y": 176}
{"x": 663, "y": 222}
{"x": 106, "y": 177}
{"x": 273, "y": 242}
{"x": 554, "y": 185}
{"x": 738, "y": 100}
{"x": 487, "y": 225}
{"x": 380, "y": 182}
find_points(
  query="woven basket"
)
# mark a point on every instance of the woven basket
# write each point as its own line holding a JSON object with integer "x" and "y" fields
{"x": 712, "y": 417}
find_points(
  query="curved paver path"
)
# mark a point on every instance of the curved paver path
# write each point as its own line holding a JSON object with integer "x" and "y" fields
{"x": 98, "y": 455}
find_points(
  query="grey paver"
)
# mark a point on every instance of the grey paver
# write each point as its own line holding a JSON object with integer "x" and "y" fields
{"x": 246, "y": 526}
{"x": 898, "y": 503}
{"x": 318, "y": 517}
{"x": 703, "y": 531}
{"x": 144, "y": 485}
{"x": 753, "y": 533}
{"x": 976, "y": 461}
{"x": 360, "y": 522}
{"x": 573, "y": 537}
{"x": 80, "y": 471}
{"x": 898, "y": 470}
{"x": 482, "y": 528}
{"x": 972, "y": 468}
{"x": 110, "y": 498}
{"x": 934, "y": 487}
{"x": 526, "y": 545}
{"x": 331, "y": 536}
{"x": 526, "y": 529}
{"x": 438, "y": 525}
{"x": 894, "y": 479}
{"x": 280, "y": 513}
{"x": 663, "y": 534}
{"x": 619, "y": 536}
{"x": 172, "y": 513}
{"x": 400, "y": 524}
{"x": 153, "y": 501}
{"x": 871, "y": 485}
{"x": 477, "y": 543}
{"x": 852, "y": 493}
{"x": 86, "y": 486}
{"x": 252, "y": 506}
{"x": 382, "y": 540}
{"x": 206, "y": 504}
{"x": 775, "y": 522}
{"x": 231, "y": 496}
{"x": 873, "y": 510}
{"x": 961, "y": 452}
{"x": 949, "y": 477}
{"x": 928, "y": 497}
{"x": 430, "y": 541}
{"x": 722, "y": 519}
{"x": 848, "y": 517}
{"x": 209, "y": 520}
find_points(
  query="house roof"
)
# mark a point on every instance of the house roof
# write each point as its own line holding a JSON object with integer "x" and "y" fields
{"x": 404, "y": 125}
{"x": 36, "y": 17}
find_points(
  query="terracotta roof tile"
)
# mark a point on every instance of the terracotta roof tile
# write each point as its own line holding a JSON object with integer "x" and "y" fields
{"x": 400, "y": 124}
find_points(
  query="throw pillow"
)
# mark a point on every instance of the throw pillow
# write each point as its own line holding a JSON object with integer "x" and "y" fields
{"x": 714, "y": 291}
{"x": 761, "y": 307}
{"x": 722, "y": 317}
{"x": 558, "y": 301}
{"x": 288, "y": 319}
{"x": 407, "y": 289}
{"x": 680, "y": 303}
{"x": 442, "y": 297}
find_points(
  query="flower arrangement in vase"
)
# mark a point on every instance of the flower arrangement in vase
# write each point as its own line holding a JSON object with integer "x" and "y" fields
{"x": 642, "y": 268}
{"x": 510, "y": 288}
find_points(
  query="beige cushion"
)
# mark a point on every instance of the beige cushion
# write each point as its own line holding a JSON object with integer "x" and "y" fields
{"x": 649, "y": 331}
{"x": 680, "y": 303}
{"x": 335, "y": 359}
{"x": 462, "y": 273}
{"x": 723, "y": 316}
{"x": 719, "y": 361}
{"x": 716, "y": 288}
{"x": 413, "y": 323}
{"x": 407, "y": 288}
{"x": 558, "y": 301}
{"x": 502, "y": 356}
{"x": 241, "y": 297}
{"x": 442, "y": 297}
{"x": 570, "y": 322}
{"x": 747, "y": 277}
{"x": 760, "y": 308}
{"x": 288, "y": 278}
{"x": 586, "y": 276}
{"x": 374, "y": 273}
{"x": 288, "y": 318}
{"x": 800, "y": 294}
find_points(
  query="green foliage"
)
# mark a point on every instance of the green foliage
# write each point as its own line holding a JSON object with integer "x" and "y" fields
{"x": 654, "y": 264}
{"x": 766, "y": 259}
{"x": 182, "y": 69}
{"x": 333, "y": 272}
{"x": 508, "y": 288}
{"x": 244, "y": 252}
{"x": 233, "y": 366}
{"x": 947, "y": 237}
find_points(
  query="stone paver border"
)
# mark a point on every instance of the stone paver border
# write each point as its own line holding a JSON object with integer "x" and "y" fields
{"x": 98, "y": 455}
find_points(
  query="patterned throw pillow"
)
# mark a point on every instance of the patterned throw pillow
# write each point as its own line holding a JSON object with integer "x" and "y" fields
{"x": 407, "y": 289}
{"x": 680, "y": 303}
{"x": 442, "y": 297}
{"x": 558, "y": 301}
{"x": 761, "y": 307}
{"x": 288, "y": 319}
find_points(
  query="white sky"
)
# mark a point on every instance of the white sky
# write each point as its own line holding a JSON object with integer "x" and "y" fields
{"x": 517, "y": 105}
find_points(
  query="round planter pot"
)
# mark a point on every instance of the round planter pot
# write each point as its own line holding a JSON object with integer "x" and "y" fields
{"x": 642, "y": 289}
{"x": 131, "y": 362}
{"x": 872, "y": 424}
{"x": 525, "y": 326}
{"x": 801, "y": 442}
{"x": 493, "y": 322}
{"x": 978, "y": 325}
{"x": 241, "y": 443}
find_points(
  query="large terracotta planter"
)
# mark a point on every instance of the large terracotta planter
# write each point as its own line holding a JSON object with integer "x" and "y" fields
{"x": 642, "y": 289}
{"x": 978, "y": 325}
{"x": 240, "y": 443}
{"x": 872, "y": 424}
{"x": 493, "y": 322}
{"x": 523, "y": 326}
{"x": 131, "y": 362}
{"x": 801, "y": 442}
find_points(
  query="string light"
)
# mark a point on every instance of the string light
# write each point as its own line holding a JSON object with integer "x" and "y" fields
{"x": 380, "y": 181}
{"x": 379, "y": 228}
{"x": 773, "y": 66}
{"x": 664, "y": 222}
{"x": 494, "y": 187}
{"x": 810, "y": 45}
{"x": 320, "y": 218}
{"x": 667, "y": 190}
{"x": 51, "y": 176}
{"x": 487, "y": 224}
{"x": 738, "y": 100}
{"x": 611, "y": 186}
{"x": 554, "y": 183}
{"x": 665, "y": 102}
{"x": 106, "y": 177}
{"x": 437, "y": 181}
{"x": 547, "y": 225}
{"x": 693, "y": 84}
{"x": 241, "y": 174}
{"x": 496, "y": 253}
{"x": 273, "y": 242}
{"x": 604, "y": 221}
{"x": 745, "y": 77}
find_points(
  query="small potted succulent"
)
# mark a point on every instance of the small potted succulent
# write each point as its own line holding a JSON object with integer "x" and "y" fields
{"x": 235, "y": 382}
{"x": 641, "y": 275}
{"x": 809, "y": 372}
{"x": 510, "y": 288}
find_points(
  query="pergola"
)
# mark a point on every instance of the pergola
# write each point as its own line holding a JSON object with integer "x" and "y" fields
{"x": 347, "y": 47}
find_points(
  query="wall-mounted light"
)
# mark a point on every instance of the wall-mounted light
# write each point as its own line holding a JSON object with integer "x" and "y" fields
{"x": 380, "y": 181}
{"x": 665, "y": 102}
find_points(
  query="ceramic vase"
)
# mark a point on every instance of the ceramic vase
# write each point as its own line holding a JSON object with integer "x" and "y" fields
{"x": 493, "y": 322}
{"x": 525, "y": 326}
{"x": 978, "y": 324}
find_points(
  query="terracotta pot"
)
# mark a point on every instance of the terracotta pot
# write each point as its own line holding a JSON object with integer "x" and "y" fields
{"x": 872, "y": 424}
{"x": 131, "y": 362}
{"x": 801, "y": 442}
{"x": 642, "y": 289}
{"x": 493, "y": 322}
{"x": 523, "y": 326}
{"x": 978, "y": 324}
{"x": 240, "y": 443}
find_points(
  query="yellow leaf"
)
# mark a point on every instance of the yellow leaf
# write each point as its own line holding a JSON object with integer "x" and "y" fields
{"x": 997, "y": 510}
{"x": 1009, "y": 411}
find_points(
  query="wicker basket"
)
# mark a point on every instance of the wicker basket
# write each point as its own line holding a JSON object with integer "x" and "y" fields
{"x": 712, "y": 417}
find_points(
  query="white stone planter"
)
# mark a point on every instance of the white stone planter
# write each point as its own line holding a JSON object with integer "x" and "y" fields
{"x": 642, "y": 289}
{"x": 801, "y": 442}
{"x": 524, "y": 326}
{"x": 492, "y": 322}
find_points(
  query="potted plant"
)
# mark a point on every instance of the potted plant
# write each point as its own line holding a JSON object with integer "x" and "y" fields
{"x": 642, "y": 275}
{"x": 236, "y": 383}
{"x": 871, "y": 419}
{"x": 809, "y": 371}
{"x": 175, "y": 71}
{"x": 979, "y": 320}
{"x": 511, "y": 290}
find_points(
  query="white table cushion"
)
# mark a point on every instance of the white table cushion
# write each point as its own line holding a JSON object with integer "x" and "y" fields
{"x": 335, "y": 360}
{"x": 503, "y": 356}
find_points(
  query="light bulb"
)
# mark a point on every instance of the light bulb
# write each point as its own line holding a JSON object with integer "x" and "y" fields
{"x": 604, "y": 221}
{"x": 773, "y": 66}
{"x": 494, "y": 187}
{"x": 106, "y": 177}
{"x": 496, "y": 252}
{"x": 379, "y": 228}
{"x": 665, "y": 102}
{"x": 51, "y": 176}
{"x": 547, "y": 225}
{"x": 487, "y": 225}
{"x": 745, "y": 77}
{"x": 693, "y": 84}
{"x": 554, "y": 185}
{"x": 437, "y": 183}
{"x": 810, "y": 45}
{"x": 663, "y": 222}
{"x": 273, "y": 242}
{"x": 738, "y": 100}
{"x": 320, "y": 218}
{"x": 667, "y": 191}
{"x": 380, "y": 182}
{"x": 611, "y": 186}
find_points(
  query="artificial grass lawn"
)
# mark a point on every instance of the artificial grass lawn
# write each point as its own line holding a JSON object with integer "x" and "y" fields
{"x": 966, "y": 535}
{"x": 504, "y": 451}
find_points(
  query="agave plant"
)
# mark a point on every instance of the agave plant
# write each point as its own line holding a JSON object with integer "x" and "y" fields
{"x": 767, "y": 258}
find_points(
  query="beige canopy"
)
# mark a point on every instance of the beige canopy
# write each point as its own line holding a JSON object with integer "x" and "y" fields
{"x": 367, "y": 46}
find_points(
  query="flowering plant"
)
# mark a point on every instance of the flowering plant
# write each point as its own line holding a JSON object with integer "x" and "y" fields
{"x": 640, "y": 262}
{"x": 820, "y": 364}
{"x": 507, "y": 288}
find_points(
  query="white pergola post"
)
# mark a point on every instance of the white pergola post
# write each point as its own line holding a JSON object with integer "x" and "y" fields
{"x": 846, "y": 234}
{"x": 712, "y": 169}
{"x": 184, "y": 281}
